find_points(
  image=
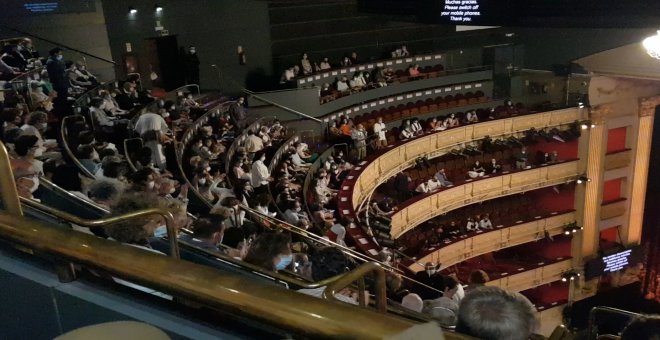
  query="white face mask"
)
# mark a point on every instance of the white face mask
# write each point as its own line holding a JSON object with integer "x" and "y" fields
{"x": 151, "y": 185}
{"x": 208, "y": 168}
{"x": 430, "y": 271}
{"x": 298, "y": 209}
{"x": 166, "y": 114}
{"x": 202, "y": 181}
{"x": 161, "y": 231}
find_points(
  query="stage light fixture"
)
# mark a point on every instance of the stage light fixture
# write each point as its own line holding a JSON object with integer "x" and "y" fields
{"x": 132, "y": 10}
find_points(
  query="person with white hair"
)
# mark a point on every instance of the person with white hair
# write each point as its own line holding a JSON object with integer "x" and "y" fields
{"x": 413, "y": 302}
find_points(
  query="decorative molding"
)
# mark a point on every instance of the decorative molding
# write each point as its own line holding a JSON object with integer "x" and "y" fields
{"x": 647, "y": 106}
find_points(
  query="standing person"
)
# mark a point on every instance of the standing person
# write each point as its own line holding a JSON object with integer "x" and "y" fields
{"x": 57, "y": 75}
{"x": 238, "y": 113}
{"x": 260, "y": 174}
{"x": 192, "y": 66}
{"x": 359, "y": 137}
{"x": 380, "y": 130}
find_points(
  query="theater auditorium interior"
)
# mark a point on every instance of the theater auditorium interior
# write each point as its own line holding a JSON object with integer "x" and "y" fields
{"x": 354, "y": 169}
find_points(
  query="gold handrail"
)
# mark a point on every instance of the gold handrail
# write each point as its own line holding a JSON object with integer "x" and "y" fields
{"x": 8, "y": 189}
{"x": 345, "y": 280}
{"x": 67, "y": 149}
{"x": 308, "y": 315}
{"x": 169, "y": 220}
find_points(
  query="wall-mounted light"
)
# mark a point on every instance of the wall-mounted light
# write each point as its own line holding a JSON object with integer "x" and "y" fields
{"x": 587, "y": 124}
{"x": 570, "y": 275}
{"x": 132, "y": 10}
{"x": 571, "y": 228}
{"x": 581, "y": 105}
{"x": 583, "y": 179}
{"x": 158, "y": 8}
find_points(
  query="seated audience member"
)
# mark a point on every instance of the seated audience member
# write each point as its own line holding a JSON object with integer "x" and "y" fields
{"x": 103, "y": 193}
{"x": 89, "y": 158}
{"x": 26, "y": 147}
{"x": 478, "y": 278}
{"x": 442, "y": 178}
{"x": 37, "y": 124}
{"x": 288, "y": 75}
{"x": 239, "y": 172}
{"x": 449, "y": 287}
{"x": 337, "y": 233}
{"x": 329, "y": 262}
{"x": 324, "y": 65}
{"x": 471, "y": 117}
{"x": 485, "y": 223}
{"x": 477, "y": 170}
{"x": 642, "y": 327}
{"x": 294, "y": 214}
{"x": 207, "y": 234}
{"x": 342, "y": 85}
{"x": 452, "y": 121}
{"x": 434, "y": 184}
{"x": 40, "y": 100}
{"x": 235, "y": 243}
{"x": 270, "y": 251}
{"x": 423, "y": 188}
{"x": 413, "y": 302}
{"x": 493, "y": 167}
{"x": 253, "y": 143}
{"x": 346, "y": 62}
{"x": 413, "y": 71}
{"x": 305, "y": 65}
{"x": 521, "y": 159}
{"x": 357, "y": 83}
{"x": 493, "y": 313}
{"x": 416, "y": 127}
{"x": 436, "y": 125}
{"x": 406, "y": 131}
{"x": 471, "y": 224}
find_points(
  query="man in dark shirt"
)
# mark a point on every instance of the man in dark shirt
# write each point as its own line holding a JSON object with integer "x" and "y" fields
{"x": 192, "y": 66}
{"x": 57, "y": 75}
{"x": 238, "y": 113}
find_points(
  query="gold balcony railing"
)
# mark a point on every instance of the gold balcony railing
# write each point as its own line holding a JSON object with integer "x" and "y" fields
{"x": 533, "y": 277}
{"x": 494, "y": 240}
{"x": 430, "y": 206}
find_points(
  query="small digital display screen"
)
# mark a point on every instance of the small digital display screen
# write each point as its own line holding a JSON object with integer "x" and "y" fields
{"x": 613, "y": 262}
{"x": 40, "y": 7}
{"x": 475, "y": 12}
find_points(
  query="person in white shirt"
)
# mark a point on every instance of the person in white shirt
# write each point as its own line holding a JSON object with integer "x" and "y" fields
{"x": 253, "y": 143}
{"x": 153, "y": 128}
{"x": 150, "y": 122}
{"x": 380, "y": 130}
{"x": 485, "y": 222}
{"x": 263, "y": 201}
{"x": 416, "y": 127}
{"x": 471, "y": 225}
{"x": 477, "y": 170}
{"x": 471, "y": 117}
{"x": 294, "y": 214}
{"x": 342, "y": 85}
{"x": 240, "y": 173}
{"x": 434, "y": 184}
{"x": 423, "y": 188}
{"x": 260, "y": 173}
{"x": 324, "y": 65}
{"x": 357, "y": 82}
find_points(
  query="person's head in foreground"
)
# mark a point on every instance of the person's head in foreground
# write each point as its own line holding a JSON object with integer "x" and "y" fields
{"x": 492, "y": 313}
{"x": 643, "y": 327}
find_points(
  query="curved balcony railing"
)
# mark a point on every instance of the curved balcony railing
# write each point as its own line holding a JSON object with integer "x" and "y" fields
{"x": 394, "y": 63}
{"x": 381, "y": 166}
{"x": 240, "y": 139}
{"x": 459, "y": 250}
{"x": 534, "y": 275}
{"x": 424, "y": 207}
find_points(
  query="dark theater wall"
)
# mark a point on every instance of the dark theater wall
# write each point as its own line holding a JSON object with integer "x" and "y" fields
{"x": 215, "y": 27}
{"x": 78, "y": 27}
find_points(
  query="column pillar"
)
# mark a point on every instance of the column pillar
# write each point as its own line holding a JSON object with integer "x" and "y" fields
{"x": 632, "y": 233}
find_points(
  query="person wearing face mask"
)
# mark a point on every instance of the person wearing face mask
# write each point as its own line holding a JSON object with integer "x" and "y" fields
{"x": 192, "y": 66}
{"x": 238, "y": 113}
{"x": 406, "y": 130}
{"x": 40, "y": 100}
{"x": 359, "y": 137}
{"x": 36, "y": 125}
{"x": 294, "y": 214}
{"x": 429, "y": 278}
{"x": 57, "y": 75}
{"x": 260, "y": 174}
{"x": 271, "y": 251}
{"x": 25, "y": 147}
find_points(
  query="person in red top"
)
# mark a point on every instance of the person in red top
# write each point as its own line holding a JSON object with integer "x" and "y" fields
{"x": 413, "y": 71}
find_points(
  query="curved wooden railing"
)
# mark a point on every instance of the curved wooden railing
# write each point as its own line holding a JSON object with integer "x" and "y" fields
{"x": 328, "y": 75}
{"x": 379, "y": 168}
{"x": 540, "y": 274}
{"x": 428, "y": 206}
{"x": 240, "y": 139}
{"x": 493, "y": 240}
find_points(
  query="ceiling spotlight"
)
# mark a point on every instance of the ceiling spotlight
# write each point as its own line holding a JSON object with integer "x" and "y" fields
{"x": 158, "y": 8}
{"x": 132, "y": 10}
{"x": 563, "y": 279}
{"x": 584, "y": 126}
